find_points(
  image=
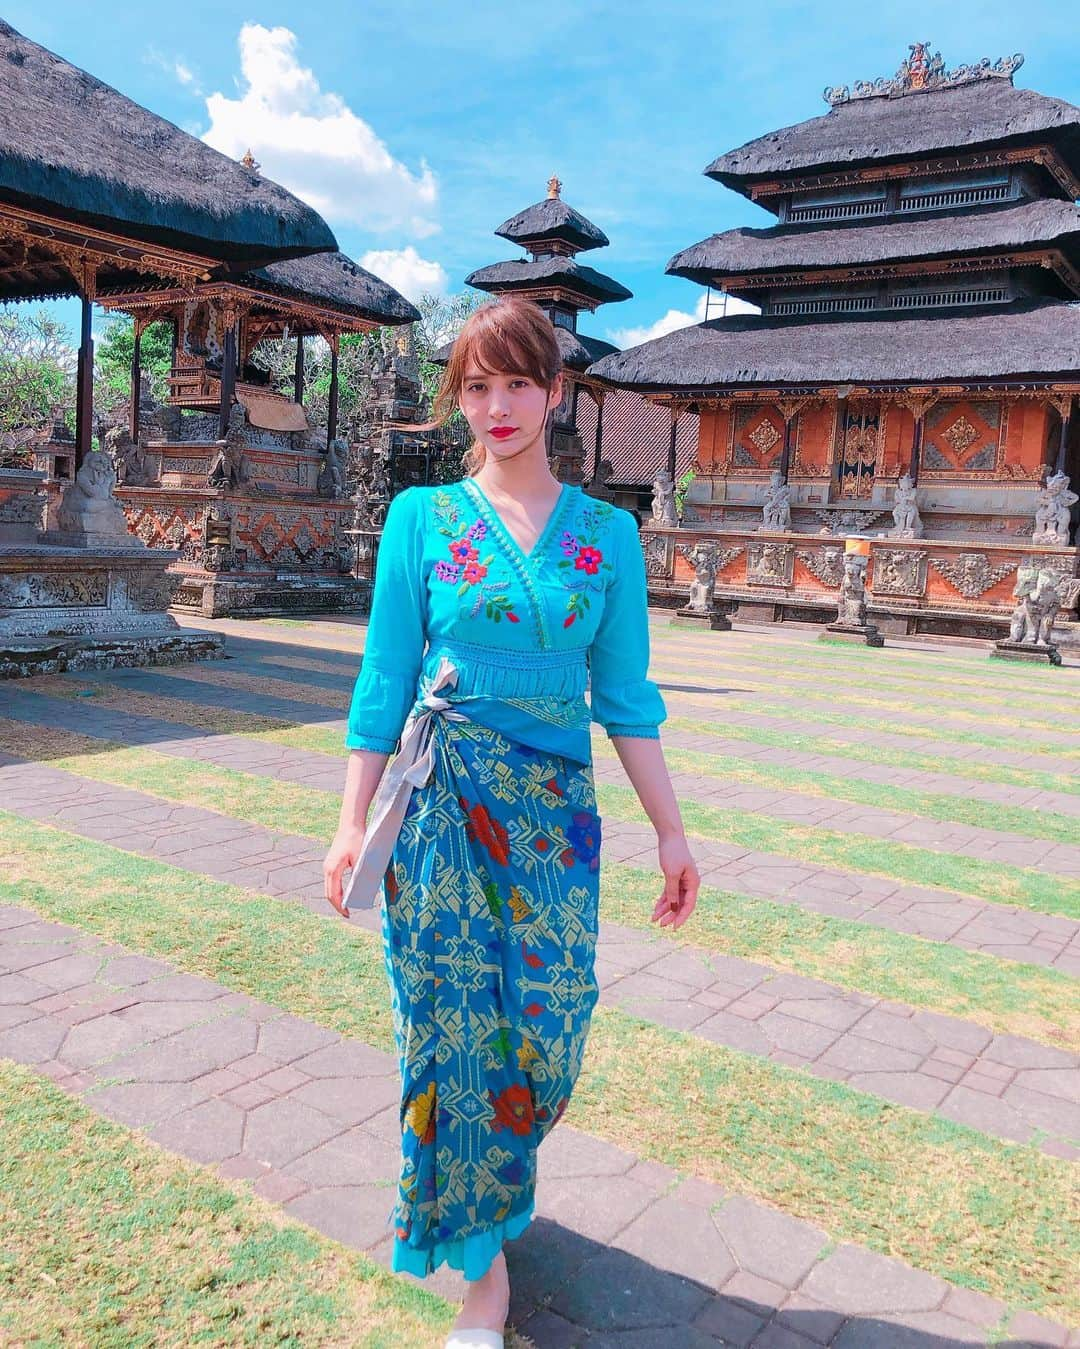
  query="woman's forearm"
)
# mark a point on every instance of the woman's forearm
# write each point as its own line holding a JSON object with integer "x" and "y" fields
{"x": 363, "y": 773}
{"x": 643, "y": 760}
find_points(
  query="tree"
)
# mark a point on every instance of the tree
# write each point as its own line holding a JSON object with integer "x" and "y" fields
{"x": 112, "y": 363}
{"x": 37, "y": 380}
{"x": 441, "y": 317}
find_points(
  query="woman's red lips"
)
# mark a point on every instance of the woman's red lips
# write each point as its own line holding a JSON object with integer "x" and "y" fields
{"x": 501, "y": 432}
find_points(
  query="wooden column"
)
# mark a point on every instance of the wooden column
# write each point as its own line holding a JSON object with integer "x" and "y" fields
{"x": 136, "y": 375}
{"x": 789, "y": 410}
{"x": 676, "y": 411}
{"x": 598, "y": 440}
{"x": 918, "y": 405}
{"x": 1065, "y": 412}
{"x": 332, "y": 410}
{"x": 84, "y": 375}
{"x": 228, "y": 371}
{"x": 298, "y": 370}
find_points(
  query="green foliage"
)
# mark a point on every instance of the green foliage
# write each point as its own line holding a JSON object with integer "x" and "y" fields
{"x": 37, "y": 379}
{"x": 682, "y": 487}
{"x": 112, "y": 361}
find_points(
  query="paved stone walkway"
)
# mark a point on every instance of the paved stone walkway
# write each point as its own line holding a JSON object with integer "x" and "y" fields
{"x": 938, "y": 915}
{"x": 1003, "y": 1085}
{"x": 624, "y": 1253}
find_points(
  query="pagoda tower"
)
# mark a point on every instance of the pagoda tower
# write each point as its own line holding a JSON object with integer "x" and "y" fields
{"x": 914, "y": 370}
{"x": 553, "y": 234}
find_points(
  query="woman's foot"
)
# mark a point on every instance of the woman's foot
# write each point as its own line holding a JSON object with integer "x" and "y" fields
{"x": 487, "y": 1300}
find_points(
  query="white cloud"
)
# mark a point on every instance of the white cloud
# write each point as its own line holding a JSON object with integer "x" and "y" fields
{"x": 313, "y": 143}
{"x": 177, "y": 67}
{"x": 184, "y": 73}
{"x": 407, "y": 271}
{"x": 678, "y": 318}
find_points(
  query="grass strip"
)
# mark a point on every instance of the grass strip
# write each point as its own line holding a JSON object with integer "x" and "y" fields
{"x": 968, "y": 769}
{"x": 987, "y": 1214}
{"x": 994, "y": 881}
{"x": 112, "y": 1241}
{"x": 1006, "y": 996}
{"x": 958, "y": 809}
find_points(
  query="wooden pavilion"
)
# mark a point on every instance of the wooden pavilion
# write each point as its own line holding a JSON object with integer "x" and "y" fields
{"x": 918, "y": 346}
{"x": 86, "y": 203}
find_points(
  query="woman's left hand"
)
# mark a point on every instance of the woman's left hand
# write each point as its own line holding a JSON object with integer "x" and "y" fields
{"x": 681, "y": 882}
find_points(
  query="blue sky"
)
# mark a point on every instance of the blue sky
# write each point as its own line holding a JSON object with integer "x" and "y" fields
{"x": 417, "y": 127}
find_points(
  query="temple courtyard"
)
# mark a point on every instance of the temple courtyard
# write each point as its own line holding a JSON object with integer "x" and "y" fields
{"x": 841, "y": 1107}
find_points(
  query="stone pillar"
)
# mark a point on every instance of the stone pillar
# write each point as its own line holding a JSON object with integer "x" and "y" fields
{"x": 84, "y": 385}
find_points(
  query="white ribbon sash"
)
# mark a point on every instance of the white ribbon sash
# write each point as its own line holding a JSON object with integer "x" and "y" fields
{"x": 412, "y": 767}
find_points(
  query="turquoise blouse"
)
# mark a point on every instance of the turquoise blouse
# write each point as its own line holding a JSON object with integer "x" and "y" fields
{"x": 530, "y": 634}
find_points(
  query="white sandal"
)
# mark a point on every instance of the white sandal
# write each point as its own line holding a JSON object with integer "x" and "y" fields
{"x": 475, "y": 1339}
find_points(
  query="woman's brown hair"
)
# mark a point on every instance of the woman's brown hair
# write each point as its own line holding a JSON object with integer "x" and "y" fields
{"x": 506, "y": 336}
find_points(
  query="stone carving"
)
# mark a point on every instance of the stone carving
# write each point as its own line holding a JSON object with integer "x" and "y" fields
{"x": 852, "y": 608}
{"x": 899, "y": 571}
{"x": 708, "y": 559}
{"x": 1038, "y": 600}
{"x": 88, "y": 510}
{"x": 133, "y": 466}
{"x": 847, "y": 519}
{"x": 229, "y": 469}
{"x": 907, "y": 523}
{"x": 1052, "y": 511}
{"x": 971, "y": 573}
{"x": 663, "y": 503}
{"x": 827, "y": 564}
{"x": 219, "y": 541}
{"x": 331, "y": 480}
{"x": 770, "y": 564}
{"x": 923, "y": 69}
{"x": 31, "y": 591}
{"x": 658, "y": 555}
{"x": 776, "y": 509}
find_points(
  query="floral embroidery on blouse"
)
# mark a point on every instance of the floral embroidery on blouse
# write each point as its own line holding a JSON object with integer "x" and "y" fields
{"x": 582, "y": 559}
{"x": 466, "y": 567}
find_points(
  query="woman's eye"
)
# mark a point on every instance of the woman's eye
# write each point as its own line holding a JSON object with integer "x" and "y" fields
{"x": 475, "y": 388}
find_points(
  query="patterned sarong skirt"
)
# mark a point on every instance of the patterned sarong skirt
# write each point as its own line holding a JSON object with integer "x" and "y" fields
{"x": 490, "y": 925}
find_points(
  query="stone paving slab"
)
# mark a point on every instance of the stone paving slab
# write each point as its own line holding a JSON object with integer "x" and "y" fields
{"x": 622, "y": 1252}
{"x": 837, "y": 765}
{"x": 930, "y": 1063}
{"x": 937, "y": 915}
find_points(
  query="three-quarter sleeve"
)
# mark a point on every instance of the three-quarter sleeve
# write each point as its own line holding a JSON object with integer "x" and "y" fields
{"x": 385, "y": 688}
{"x": 623, "y": 699}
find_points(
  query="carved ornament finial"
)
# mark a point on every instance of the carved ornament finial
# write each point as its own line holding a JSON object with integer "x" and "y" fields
{"x": 249, "y": 161}
{"x": 921, "y": 70}
{"x": 554, "y": 186}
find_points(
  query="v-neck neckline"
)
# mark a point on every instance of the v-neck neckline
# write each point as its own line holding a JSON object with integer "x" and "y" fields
{"x": 496, "y": 520}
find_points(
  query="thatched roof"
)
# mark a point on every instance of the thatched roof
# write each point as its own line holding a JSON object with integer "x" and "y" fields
{"x": 552, "y": 219}
{"x": 1033, "y": 338}
{"x": 578, "y": 351}
{"x": 335, "y": 280}
{"x": 74, "y": 147}
{"x": 524, "y": 276}
{"x": 870, "y": 130}
{"x": 784, "y": 247}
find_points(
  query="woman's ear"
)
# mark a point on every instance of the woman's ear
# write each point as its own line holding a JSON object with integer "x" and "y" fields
{"x": 555, "y": 395}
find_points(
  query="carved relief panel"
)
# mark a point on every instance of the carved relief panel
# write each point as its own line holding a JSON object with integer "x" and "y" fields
{"x": 859, "y": 448}
{"x": 770, "y": 564}
{"x": 899, "y": 571}
{"x": 757, "y": 438}
{"x": 964, "y": 436}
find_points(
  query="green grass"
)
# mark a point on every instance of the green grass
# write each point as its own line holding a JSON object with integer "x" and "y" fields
{"x": 108, "y": 1240}
{"x": 972, "y": 769}
{"x": 997, "y": 882}
{"x": 1005, "y": 996}
{"x": 958, "y": 809}
{"x": 987, "y": 1214}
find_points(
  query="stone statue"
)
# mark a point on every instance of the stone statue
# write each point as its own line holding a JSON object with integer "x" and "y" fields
{"x": 331, "y": 480}
{"x": 663, "y": 502}
{"x": 907, "y": 523}
{"x": 132, "y": 465}
{"x": 1052, "y": 511}
{"x": 1038, "y": 600}
{"x": 852, "y": 611}
{"x": 704, "y": 557}
{"x": 776, "y": 511}
{"x": 229, "y": 469}
{"x": 88, "y": 508}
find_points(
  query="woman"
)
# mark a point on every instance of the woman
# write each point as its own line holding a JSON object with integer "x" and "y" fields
{"x": 484, "y": 839}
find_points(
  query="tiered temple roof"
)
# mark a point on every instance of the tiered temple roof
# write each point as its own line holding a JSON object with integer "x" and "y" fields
{"x": 922, "y": 237}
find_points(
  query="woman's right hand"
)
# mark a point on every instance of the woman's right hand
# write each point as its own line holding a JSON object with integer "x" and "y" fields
{"x": 344, "y": 851}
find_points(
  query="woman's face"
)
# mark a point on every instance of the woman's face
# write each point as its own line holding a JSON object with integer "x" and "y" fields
{"x": 506, "y": 413}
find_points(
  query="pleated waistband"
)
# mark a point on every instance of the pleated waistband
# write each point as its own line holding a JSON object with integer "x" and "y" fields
{"x": 500, "y": 672}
